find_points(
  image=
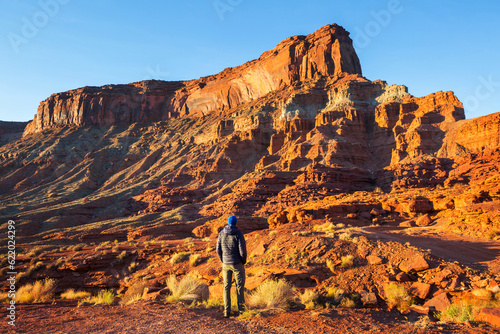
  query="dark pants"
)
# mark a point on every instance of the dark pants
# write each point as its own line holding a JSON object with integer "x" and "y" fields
{"x": 239, "y": 278}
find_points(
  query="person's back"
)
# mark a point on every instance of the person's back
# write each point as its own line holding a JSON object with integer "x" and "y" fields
{"x": 231, "y": 249}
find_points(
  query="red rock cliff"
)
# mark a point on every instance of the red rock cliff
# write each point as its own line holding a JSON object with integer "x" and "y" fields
{"x": 327, "y": 52}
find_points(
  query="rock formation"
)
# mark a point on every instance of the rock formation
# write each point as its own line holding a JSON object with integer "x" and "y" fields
{"x": 299, "y": 124}
{"x": 327, "y": 52}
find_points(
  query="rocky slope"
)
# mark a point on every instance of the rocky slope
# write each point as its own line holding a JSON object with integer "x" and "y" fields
{"x": 291, "y": 141}
{"x": 11, "y": 131}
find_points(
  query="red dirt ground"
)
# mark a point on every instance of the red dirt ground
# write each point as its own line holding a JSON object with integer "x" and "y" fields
{"x": 151, "y": 317}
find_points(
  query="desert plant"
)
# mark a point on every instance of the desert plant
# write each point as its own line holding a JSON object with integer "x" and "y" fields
{"x": 310, "y": 299}
{"x": 347, "y": 302}
{"x": 195, "y": 260}
{"x": 335, "y": 294}
{"x": 39, "y": 292}
{"x": 179, "y": 257}
{"x": 72, "y": 294}
{"x": 189, "y": 288}
{"x": 458, "y": 312}
{"x": 121, "y": 257}
{"x": 346, "y": 236}
{"x": 272, "y": 294}
{"x": 347, "y": 261}
{"x": 134, "y": 293}
{"x": 331, "y": 265}
{"x": 105, "y": 297}
{"x": 132, "y": 267}
{"x": 397, "y": 296}
{"x": 77, "y": 247}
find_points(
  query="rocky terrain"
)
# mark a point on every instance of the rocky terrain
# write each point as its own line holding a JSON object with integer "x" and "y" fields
{"x": 108, "y": 183}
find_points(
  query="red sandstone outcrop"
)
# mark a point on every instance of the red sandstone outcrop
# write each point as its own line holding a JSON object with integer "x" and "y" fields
{"x": 327, "y": 52}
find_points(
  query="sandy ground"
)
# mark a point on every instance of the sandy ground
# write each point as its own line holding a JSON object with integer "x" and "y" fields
{"x": 152, "y": 317}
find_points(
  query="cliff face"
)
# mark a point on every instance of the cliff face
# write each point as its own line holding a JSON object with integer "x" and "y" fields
{"x": 327, "y": 52}
{"x": 298, "y": 124}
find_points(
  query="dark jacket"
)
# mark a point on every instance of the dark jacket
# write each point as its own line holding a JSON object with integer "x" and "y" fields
{"x": 231, "y": 246}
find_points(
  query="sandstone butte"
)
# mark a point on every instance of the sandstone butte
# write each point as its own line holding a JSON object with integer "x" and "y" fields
{"x": 296, "y": 136}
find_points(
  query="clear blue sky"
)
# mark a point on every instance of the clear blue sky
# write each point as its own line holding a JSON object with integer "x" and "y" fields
{"x": 51, "y": 46}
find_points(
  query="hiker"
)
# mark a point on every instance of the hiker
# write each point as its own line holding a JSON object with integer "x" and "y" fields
{"x": 232, "y": 251}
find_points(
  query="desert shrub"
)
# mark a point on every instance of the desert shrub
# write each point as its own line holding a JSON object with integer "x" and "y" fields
{"x": 335, "y": 294}
{"x": 195, "y": 260}
{"x": 272, "y": 294}
{"x": 39, "y": 292}
{"x": 121, "y": 257}
{"x": 347, "y": 261}
{"x": 249, "y": 314}
{"x": 326, "y": 228}
{"x": 189, "y": 288}
{"x": 105, "y": 297}
{"x": 458, "y": 312}
{"x": 4, "y": 298}
{"x": 310, "y": 299}
{"x": 134, "y": 293}
{"x": 331, "y": 265}
{"x": 347, "y": 302}
{"x": 132, "y": 267}
{"x": 35, "y": 251}
{"x": 179, "y": 257}
{"x": 346, "y": 236}
{"x": 72, "y": 294}
{"x": 214, "y": 302}
{"x": 397, "y": 296}
{"x": 77, "y": 247}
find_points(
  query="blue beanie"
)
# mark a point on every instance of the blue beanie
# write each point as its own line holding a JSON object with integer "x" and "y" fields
{"x": 232, "y": 220}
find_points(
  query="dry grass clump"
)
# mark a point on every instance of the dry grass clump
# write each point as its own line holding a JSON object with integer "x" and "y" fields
{"x": 76, "y": 248}
{"x": 189, "y": 288}
{"x": 347, "y": 261}
{"x": 335, "y": 294}
{"x": 104, "y": 297}
{"x": 272, "y": 294}
{"x": 40, "y": 292}
{"x": 467, "y": 309}
{"x": 195, "y": 260}
{"x": 397, "y": 296}
{"x": 72, "y": 294}
{"x": 179, "y": 257}
{"x": 134, "y": 293}
{"x": 331, "y": 265}
{"x": 310, "y": 299}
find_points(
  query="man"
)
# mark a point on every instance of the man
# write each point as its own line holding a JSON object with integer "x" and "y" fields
{"x": 232, "y": 251}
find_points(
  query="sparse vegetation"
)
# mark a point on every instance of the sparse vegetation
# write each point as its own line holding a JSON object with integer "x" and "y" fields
{"x": 310, "y": 299}
{"x": 331, "y": 265}
{"x": 104, "y": 297}
{"x": 335, "y": 295}
{"x": 347, "y": 261}
{"x": 189, "y": 288}
{"x": 272, "y": 294}
{"x": 179, "y": 257}
{"x": 39, "y": 292}
{"x": 347, "y": 302}
{"x": 134, "y": 292}
{"x": 72, "y": 294}
{"x": 397, "y": 296}
{"x": 76, "y": 248}
{"x": 195, "y": 260}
